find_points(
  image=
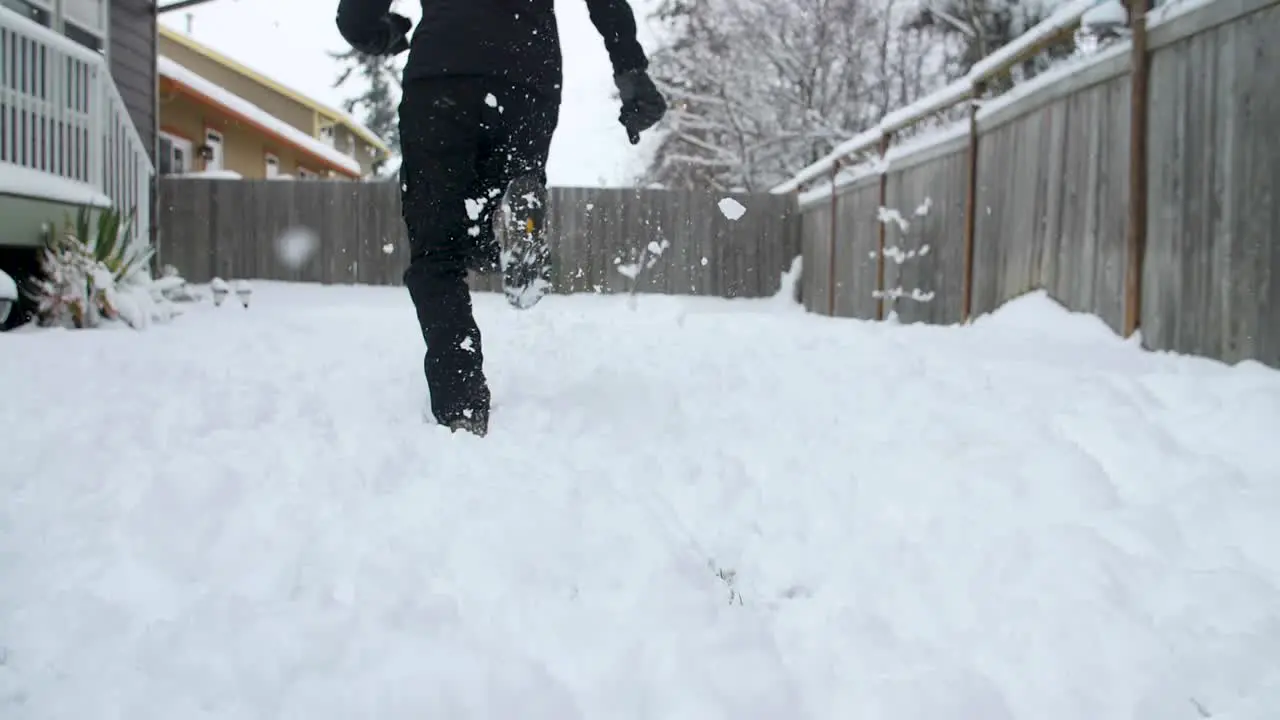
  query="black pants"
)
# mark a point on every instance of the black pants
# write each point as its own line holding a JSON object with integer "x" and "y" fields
{"x": 464, "y": 140}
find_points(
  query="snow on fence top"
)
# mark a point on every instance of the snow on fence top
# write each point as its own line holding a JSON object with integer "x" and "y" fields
{"x": 172, "y": 70}
{"x": 879, "y": 165}
{"x": 1062, "y": 19}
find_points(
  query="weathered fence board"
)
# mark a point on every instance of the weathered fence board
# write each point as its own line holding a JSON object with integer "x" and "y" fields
{"x": 857, "y": 242}
{"x": 229, "y": 228}
{"x": 1211, "y": 282}
{"x": 1052, "y": 200}
{"x": 815, "y": 239}
{"x": 921, "y": 261}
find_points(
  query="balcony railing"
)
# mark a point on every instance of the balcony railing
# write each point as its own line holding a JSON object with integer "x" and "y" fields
{"x": 61, "y": 114}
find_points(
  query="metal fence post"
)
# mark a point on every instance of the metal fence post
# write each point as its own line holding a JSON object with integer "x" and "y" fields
{"x": 1137, "y": 237}
{"x": 880, "y": 231}
{"x": 970, "y": 207}
{"x": 831, "y": 260}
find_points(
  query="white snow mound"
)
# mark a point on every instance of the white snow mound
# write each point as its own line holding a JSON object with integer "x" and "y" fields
{"x": 699, "y": 509}
{"x": 1038, "y": 313}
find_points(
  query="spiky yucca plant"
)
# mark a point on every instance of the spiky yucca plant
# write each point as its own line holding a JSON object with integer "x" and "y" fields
{"x": 113, "y": 244}
{"x": 84, "y": 266}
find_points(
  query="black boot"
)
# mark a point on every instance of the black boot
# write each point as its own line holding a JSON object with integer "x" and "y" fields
{"x": 526, "y": 272}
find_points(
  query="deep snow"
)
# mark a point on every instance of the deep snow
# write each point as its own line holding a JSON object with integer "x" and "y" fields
{"x": 686, "y": 508}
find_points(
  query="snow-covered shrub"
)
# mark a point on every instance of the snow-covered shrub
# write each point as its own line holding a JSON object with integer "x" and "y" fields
{"x": 95, "y": 272}
{"x": 175, "y": 288}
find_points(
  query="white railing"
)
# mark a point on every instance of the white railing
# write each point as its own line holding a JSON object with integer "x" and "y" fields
{"x": 60, "y": 113}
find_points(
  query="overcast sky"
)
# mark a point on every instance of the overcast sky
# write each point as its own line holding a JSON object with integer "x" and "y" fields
{"x": 287, "y": 40}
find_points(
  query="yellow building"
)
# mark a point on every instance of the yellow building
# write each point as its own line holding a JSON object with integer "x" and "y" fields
{"x": 218, "y": 116}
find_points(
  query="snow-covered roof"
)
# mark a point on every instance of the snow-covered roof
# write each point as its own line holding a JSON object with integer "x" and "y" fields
{"x": 22, "y": 181}
{"x": 169, "y": 68}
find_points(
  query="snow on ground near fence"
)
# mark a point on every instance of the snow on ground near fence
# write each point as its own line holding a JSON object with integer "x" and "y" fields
{"x": 686, "y": 508}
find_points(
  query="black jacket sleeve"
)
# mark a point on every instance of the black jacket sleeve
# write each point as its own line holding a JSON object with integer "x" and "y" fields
{"x": 617, "y": 25}
{"x": 361, "y": 22}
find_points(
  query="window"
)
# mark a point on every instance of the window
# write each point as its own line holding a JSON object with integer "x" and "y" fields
{"x": 351, "y": 144}
{"x": 213, "y": 140}
{"x": 94, "y": 42}
{"x": 90, "y": 15}
{"x": 34, "y": 10}
{"x": 273, "y": 166}
{"x": 326, "y": 135}
{"x": 175, "y": 154}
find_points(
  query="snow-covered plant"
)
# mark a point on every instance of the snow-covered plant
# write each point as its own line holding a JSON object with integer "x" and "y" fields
{"x": 92, "y": 272}
{"x": 899, "y": 255}
{"x": 175, "y": 288}
{"x": 727, "y": 576}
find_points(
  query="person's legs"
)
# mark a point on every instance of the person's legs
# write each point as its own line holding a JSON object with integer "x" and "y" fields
{"x": 524, "y": 122}
{"x": 441, "y": 133}
{"x": 483, "y": 198}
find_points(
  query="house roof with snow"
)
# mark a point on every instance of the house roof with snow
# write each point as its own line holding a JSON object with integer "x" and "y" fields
{"x": 331, "y": 114}
{"x": 181, "y": 79}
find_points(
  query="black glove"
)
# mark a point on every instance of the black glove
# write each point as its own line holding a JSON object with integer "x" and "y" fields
{"x": 642, "y": 105}
{"x": 391, "y": 37}
{"x": 399, "y": 30}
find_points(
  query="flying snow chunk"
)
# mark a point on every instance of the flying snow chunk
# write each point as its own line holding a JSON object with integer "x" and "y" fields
{"x": 490, "y": 100}
{"x": 731, "y": 208}
{"x": 296, "y": 245}
{"x": 631, "y": 270}
{"x": 389, "y": 248}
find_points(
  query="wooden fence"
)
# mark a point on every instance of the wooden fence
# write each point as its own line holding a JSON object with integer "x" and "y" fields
{"x": 229, "y": 228}
{"x": 1194, "y": 262}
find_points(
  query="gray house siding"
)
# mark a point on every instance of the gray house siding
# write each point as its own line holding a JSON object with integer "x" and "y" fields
{"x": 133, "y": 63}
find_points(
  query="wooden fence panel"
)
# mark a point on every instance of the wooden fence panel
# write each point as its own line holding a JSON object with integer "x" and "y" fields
{"x": 1053, "y": 196}
{"x": 229, "y": 228}
{"x": 857, "y": 242}
{"x": 925, "y": 263}
{"x": 1211, "y": 282}
{"x": 185, "y": 244}
{"x": 815, "y": 239}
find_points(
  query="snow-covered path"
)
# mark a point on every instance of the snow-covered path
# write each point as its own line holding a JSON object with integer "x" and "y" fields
{"x": 686, "y": 508}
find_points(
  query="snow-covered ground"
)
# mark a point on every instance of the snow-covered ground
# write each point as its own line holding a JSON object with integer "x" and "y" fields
{"x": 686, "y": 508}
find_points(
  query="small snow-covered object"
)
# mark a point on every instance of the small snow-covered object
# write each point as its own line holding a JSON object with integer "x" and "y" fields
{"x": 1107, "y": 15}
{"x": 8, "y": 288}
{"x": 388, "y": 249}
{"x": 731, "y": 208}
{"x": 243, "y": 291}
{"x": 8, "y": 295}
{"x": 296, "y": 245}
{"x": 220, "y": 290}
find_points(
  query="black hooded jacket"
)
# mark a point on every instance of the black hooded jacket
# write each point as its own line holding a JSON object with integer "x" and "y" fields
{"x": 516, "y": 40}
